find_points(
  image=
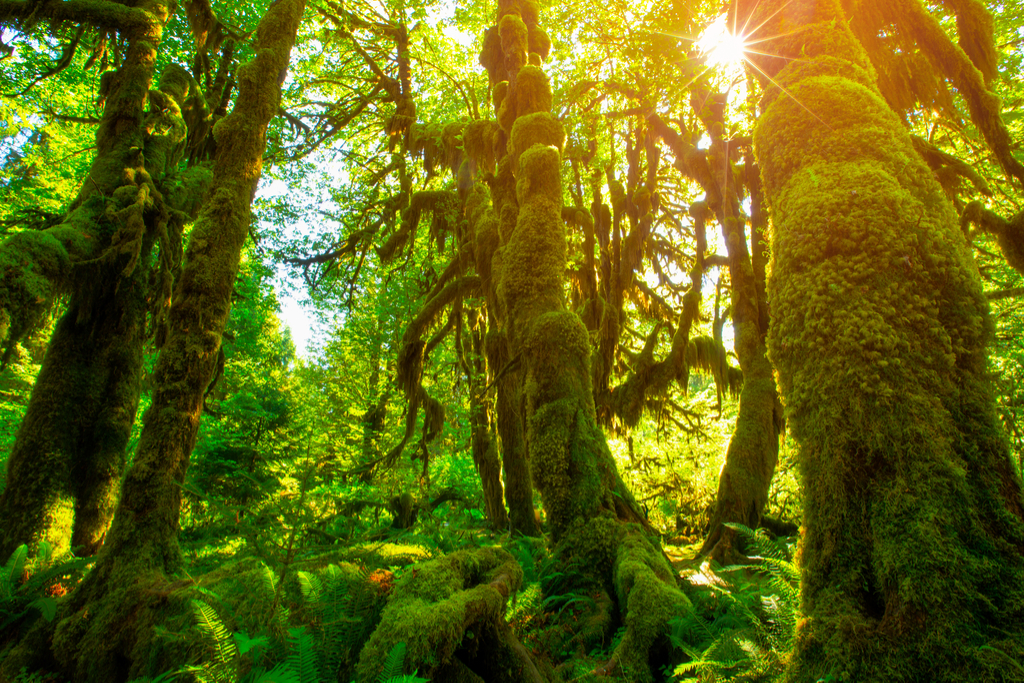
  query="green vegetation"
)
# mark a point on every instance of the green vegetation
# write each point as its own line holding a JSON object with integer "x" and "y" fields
{"x": 629, "y": 362}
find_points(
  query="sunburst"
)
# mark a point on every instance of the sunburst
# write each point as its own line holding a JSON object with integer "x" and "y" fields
{"x": 720, "y": 47}
{"x": 727, "y": 49}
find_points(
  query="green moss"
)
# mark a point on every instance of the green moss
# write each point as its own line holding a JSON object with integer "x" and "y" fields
{"x": 535, "y": 264}
{"x": 498, "y": 94}
{"x": 879, "y": 326}
{"x": 540, "y": 128}
{"x": 479, "y": 139}
{"x": 539, "y": 177}
{"x": 539, "y": 43}
{"x": 507, "y": 109}
{"x": 514, "y": 39}
{"x": 533, "y": 91}
{"x": 434, "y": 606}
{"x": 492, "y": 58}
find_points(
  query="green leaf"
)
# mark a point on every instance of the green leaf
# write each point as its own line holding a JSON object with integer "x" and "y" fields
{"x": 47, "y": 606}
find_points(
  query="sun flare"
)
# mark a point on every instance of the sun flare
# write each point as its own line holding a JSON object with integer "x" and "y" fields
{"x": 720, "y": 46}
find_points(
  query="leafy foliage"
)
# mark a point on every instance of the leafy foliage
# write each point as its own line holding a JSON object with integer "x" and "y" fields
{"x": 30, "y": 586}
{"x": 740, "y": 630}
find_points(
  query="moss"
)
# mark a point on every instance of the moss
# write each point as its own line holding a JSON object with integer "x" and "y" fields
{"x": 34, "y": 268}
{"x": 479, "y": 140}
{"x": 507, "y": 109}
{"x": 434, "y": 606}
{"x": 645, "y": 585}
{"x": 514, "y": 39}
{"x": 492, "y": 58}
{"x": 537, "y": 262}
{"x": 540, "y": 128}
{"x": 498, "y": 94}
{"x": 533, "y": 92}
{"x": 539, "y": 176}
{"x": 913, "y": 516}
{"x": 539, "y": 43}
{"x": 105, "y": 629}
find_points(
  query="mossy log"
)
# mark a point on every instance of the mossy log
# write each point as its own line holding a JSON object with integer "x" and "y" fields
{"x": 449, "y": 613}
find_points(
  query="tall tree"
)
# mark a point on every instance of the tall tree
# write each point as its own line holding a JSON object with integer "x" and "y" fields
{"x": 913, "y": 553}
{"x": 91, "y": 639}
{"x": 66, "y": 464}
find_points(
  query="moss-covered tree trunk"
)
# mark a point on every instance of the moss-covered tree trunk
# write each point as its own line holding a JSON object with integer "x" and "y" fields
{"x": 65, "y": 467}
{"x": 754, "y": 446}
{"x": 913, "y": 550}
{"x": 483, "y": 445}
{"x": 105, "y": 629}
{"x": 591, "y": 514}
{"x": 518, "y": 480}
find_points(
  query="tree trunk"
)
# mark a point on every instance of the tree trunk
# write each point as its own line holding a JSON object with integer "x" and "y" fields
{"x": 105, "y": 629}
{"x": 754, "y": 447}
{"x": 913, "y": 550}
{"x": 483, "y": 445}
{"x": 65, "y": 467}
{"x": 591, "y": 514}
{"x": 518, "y": 480}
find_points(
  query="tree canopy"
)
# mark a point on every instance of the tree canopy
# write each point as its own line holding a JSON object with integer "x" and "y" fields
{"x": 657, "y": 340}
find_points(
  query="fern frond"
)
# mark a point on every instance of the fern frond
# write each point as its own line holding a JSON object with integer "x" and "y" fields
{"x": 12, "y": 570}
{"x": 311, "y": 587}
{"x": 268, "y": 581}
{"x": 224, "y": 646}
{"x": 394, "y": 663}
{"x": 282, "y": 673}
{"x": 302, "y": 656}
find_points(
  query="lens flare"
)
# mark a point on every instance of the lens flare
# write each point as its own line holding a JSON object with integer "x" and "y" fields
{"x": 720, "y": 47}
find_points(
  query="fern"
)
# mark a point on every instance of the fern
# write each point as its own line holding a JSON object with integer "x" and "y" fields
{"x": 225, "y": 649}
{"x": 310, "y": 586}
{"x": 302, "y": 658}
{"x": 22, "y": 601}
{"x": 740, "y": 631}
{"x": 12, "y": 571}
{"x": 394, "y": 664}
{"x": 282, "y": 673}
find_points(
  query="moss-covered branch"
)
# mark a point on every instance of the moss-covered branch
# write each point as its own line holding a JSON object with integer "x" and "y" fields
{"x": 104, "y": 14}
{"x": 1009, "y": 234}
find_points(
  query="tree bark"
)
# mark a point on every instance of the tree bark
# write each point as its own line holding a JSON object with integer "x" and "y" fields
{"x": 912, "y": 556}
{"x": 65, "y": 467}
{"x": 104, "y": 631}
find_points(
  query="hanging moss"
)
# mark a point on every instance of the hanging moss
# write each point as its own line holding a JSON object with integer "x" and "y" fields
{"x": 975, "y": 29}
{"x": 479, "y": 140}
